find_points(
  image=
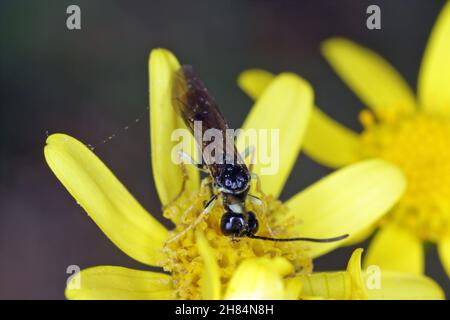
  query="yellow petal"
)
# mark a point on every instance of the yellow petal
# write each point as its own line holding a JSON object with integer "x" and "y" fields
{"x": 340, "y": 285}
{"x": 404, "y": 286}
{"x": 396, "y": 249}
{"x": 117, "y": 283}
{"x": 372, "y": 78}
{"x": 167, "y": 174}
{"x": 105, "y": 199}
{"x": 358, "y": 287}
{"x": 360, "y": 236}
{"x": 434, "y": 75}
{"x": 326, "y": 285}
{"x": 283, "y": 110}
{"x": 293, "y": 288}
{"x": 355, "y": 284}
{"x": 444, "y": 253}
{"x": 329, "y": 142}
{"x": 326, "y": 141}
{"x": 254, "y": 81}
{"x": 210, "y": 282}
{"x": 259, "y": 279}
{"x": 346, "y": 202}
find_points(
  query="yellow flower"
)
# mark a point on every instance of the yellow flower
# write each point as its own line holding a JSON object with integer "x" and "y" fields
{"x": 203, "y": 263}
{"x": 412, "y": 133}
{"x": 263, "y": 278}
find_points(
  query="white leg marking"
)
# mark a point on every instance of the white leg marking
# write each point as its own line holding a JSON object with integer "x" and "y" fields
{"x": 187, "y": 159}
{"x": 255, "y": 200}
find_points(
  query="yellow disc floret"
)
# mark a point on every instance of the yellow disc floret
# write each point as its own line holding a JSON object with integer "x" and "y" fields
{"x": 184, "y": 262}
{"x": 420, "y": 145}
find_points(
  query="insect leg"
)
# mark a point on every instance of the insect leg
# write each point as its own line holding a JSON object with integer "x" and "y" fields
{"x": 199, "y": 219}
{"x": 249, "y": 151}
{"x": 254, "y": 176}
{"x": 258, "y": 201}
{"x": 207, "y": 184}
{"x": 183, "y": 187}
{"x": 255, "y": 200}
{"x": 188, "y": 159}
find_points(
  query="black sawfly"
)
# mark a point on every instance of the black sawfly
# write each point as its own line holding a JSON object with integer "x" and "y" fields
{"x": 230, "y": 177}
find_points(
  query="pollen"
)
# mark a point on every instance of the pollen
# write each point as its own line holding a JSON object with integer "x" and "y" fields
{"x": 183, "y": 261}
{"x": 420, "y": 145}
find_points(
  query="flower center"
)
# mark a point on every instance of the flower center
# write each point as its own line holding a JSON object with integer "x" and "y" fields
{"x": 182, "y": 257}
{"x": 418, "y": 144}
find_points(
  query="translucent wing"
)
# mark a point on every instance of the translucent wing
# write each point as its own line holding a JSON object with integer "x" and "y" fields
{"x": 198, "y": 108}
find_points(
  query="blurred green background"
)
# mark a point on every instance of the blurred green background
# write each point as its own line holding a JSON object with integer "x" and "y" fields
{"x": 92, "y": 82}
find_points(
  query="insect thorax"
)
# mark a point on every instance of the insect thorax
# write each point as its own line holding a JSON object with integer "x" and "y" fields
{"x": 232, "y": 179}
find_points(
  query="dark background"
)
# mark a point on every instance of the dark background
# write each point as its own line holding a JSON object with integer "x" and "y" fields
{"x": 92, "y": 82}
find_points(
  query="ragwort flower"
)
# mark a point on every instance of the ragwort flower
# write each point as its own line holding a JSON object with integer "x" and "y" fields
{"x": 412, "y": 133}
{"x": 203, "y": 262}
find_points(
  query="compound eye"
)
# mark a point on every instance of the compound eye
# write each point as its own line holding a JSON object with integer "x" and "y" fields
{"x": 232, "y": 224}
{"x": 252, "y": 224}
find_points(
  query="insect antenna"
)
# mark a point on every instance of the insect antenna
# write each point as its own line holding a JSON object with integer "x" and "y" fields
{"x": 300, "y": 239}
{"x": 118, "y": 132}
